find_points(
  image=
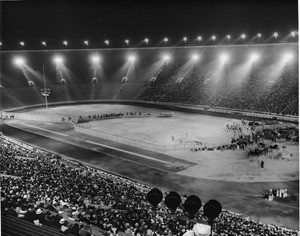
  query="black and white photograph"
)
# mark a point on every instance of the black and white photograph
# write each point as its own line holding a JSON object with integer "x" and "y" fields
{"x": 149, "y": 118}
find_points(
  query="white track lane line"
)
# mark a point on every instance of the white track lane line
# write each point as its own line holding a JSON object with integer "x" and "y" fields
{"x": 44, "y": 129}
{"x": 132, "y": 153}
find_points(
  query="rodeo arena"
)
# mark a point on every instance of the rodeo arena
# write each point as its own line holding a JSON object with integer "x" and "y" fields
{"x": 174, "y": 137}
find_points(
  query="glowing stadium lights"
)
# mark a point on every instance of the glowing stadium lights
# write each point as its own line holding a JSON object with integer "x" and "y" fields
{"x": 146, "y": 40}
{"x": 259, "y": 35}
{"x": 0, "y": 43}
{"x": 243, "y": 36}
{"x": 106, "y": 42}
{"x": 224, "y": 57}
{"x": 131, "y": 58}
{"x": 58, "y": 59}
{"x": 185, "y": 39}
{"x": 22, "y": 43}
{"x": 127, "y": 41}
{"x": 293, "y": 34}
{"x": 65, "y": 43}
{"x": 166, "y": 40}
{"x": 199, "y": 38}
{"x": 254, "y": 57}
{"x": 288, "y": 56}
{"x": 213, "y": 38}
{"x": 195, "y": 57}
{"x": 19, "y": 61}
{"x": 166, "y": 57}
{"x": 275, "y": 35}
{"x": 86, "y": 42}
{"x": 228, "y": 37}
{"x": 95, "y": 59}
{"x": 44, "y": 43}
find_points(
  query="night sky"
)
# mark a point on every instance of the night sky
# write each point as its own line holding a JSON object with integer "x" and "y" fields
{"x": 116, "y": 20}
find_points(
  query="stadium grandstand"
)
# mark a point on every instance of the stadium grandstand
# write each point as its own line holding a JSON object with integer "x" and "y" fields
{"x": 123, "y": 137}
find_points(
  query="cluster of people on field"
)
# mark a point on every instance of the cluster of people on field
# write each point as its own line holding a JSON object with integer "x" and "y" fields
{"x": 112, "y": 115}
{"x": 49, "y": 190}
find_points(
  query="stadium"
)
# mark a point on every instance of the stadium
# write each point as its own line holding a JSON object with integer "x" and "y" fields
{"x": 192, "y": 138}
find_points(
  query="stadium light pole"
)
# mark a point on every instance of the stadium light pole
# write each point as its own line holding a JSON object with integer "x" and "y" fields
{"x": 243, "y": 36}
{"x": 213, "y": 38}
{"x": 45, "y": 91}
{"x": 185, "y": 39}
{"x": 199, "y": 38}
{"x": 228, "y": 38}
{"x": 259, "y": 36}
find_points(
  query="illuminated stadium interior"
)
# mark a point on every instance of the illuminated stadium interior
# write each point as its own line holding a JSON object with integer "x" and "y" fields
{"x": 161, "y": 118}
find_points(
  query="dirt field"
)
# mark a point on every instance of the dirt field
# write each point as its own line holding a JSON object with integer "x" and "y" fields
{"x": 185, "y": 128}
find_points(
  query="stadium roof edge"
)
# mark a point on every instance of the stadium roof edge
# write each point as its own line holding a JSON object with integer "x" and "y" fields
{"x": 147, "y": 48}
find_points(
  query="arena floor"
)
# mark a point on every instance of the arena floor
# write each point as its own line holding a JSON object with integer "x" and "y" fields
{"x": 237, "y": 181}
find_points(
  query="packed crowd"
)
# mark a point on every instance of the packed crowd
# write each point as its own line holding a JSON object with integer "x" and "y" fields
{"x": 256, "y": 92}
{"x": 50, "y": 190}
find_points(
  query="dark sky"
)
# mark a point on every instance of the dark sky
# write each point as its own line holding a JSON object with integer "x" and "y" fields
{"x": 53, "y": 21}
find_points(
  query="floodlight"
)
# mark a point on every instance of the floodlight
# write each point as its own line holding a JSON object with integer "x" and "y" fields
{"x": 199, "y": 38}
{"x": 44, "y": 43}
{"x": 224, "y": 57}
{"x": 0, "y": 43}
{"x": 293, "y": 33}
{"x": 288, "y": 56}
{"x": 259, "y": 35}
{"x": 166, "y": 57}
{"x": 195, "y": 57}
{"x": 22, "y": 43}
{"x": 19, "y": 61}
{"x": 243, "y": 36}
{"x": 254, "y": 57}
{"x": 58, "y": 60}
{"x": 131, "y": 58}
{"x": 65, "y": 43}
{"x": 95, "y": 59}
{"x": 127, "y": 41}
{"x": 213, "y": 37}
{"x": 275, "y": 34}
{"x": 185, "y": 39}
{"x": 106, "y": 42}
{"x": 228, "y": 36}
{"x": 146, "y": 40}
{"x": 166, "y": 40}
{"x": 86, "y": 42}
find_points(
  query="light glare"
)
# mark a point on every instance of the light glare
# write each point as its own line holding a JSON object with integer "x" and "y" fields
{"x": 275, "y": 34}
{"x": 213, "y": 37}
{"x": 243, "y": 36}
{"x": 65, "y": 43}
{"x": 166, "y": 57}
{"x": 259, "y": 35}
{"x": 254, "y": 57}
{"x": 22, "y": 43}
{"x": 106, "y": 42}
{"x": 224, "y": 57}
{"x": 288, "y": 56}
{"x": 95, "y": 59}
{"x": 195, "y": 57}
{"x": 86, "y": 42}
{"x": 19, "y": 61}
{"x": 199, "y": 38}
{"x": 146, "y": 40}
{"x": 127, "y": 41}
{"x": 58, "y": 60}
{"x": 131, "y": 58}
{"x": 166, "y": 39}
{"x": 44, "y": 43}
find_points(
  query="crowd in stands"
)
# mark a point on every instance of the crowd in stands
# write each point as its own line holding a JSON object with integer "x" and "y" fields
{"x": 257, "y": 91}
{"x": 46, "y": 189}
